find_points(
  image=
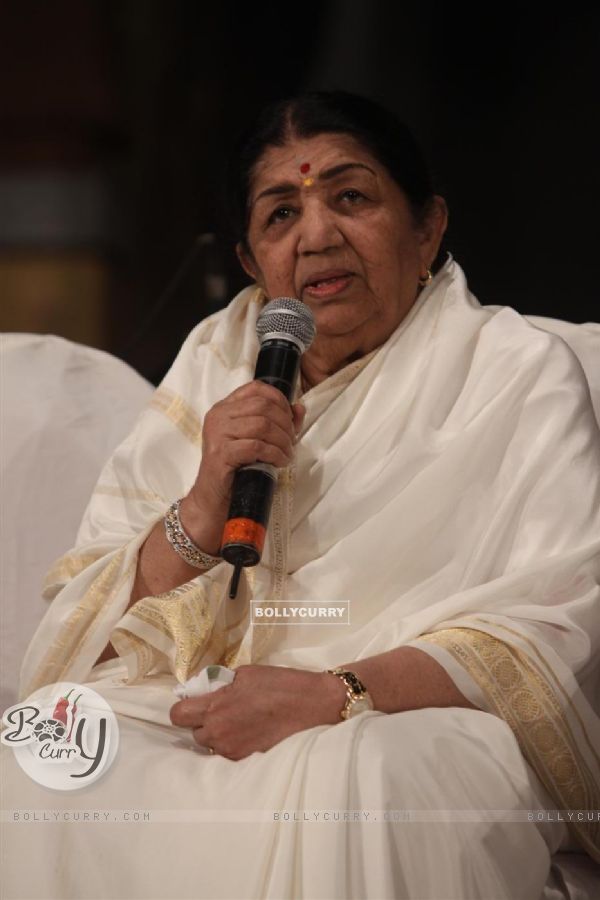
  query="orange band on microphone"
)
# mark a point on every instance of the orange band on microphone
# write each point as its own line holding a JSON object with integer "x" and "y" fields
{"x": 244, "y": 531}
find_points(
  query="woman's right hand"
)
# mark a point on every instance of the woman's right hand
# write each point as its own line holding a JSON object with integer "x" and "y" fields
{"x": 255, "y": 423}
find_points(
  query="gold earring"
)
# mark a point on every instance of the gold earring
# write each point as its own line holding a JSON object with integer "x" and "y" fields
{"x": 425, "y": 279}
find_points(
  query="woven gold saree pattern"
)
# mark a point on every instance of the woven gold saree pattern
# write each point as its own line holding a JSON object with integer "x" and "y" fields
{"x": 178, "y": 624}
{"x": 523, "y": 695}
{"x": 196, "y": 618}
{"x": 81, "y": 623}
{"x": 174, "y": 407}
{"x": 65, "y": 568}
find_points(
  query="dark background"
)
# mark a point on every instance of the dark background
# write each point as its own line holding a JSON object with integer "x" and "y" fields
{"x": 115, "y": 116}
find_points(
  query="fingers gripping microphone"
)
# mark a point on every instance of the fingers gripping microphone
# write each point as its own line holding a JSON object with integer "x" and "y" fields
{"x": 285, "y": 329}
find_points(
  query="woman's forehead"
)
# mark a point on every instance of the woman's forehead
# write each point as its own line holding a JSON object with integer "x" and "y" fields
{"x": 301, "y": 157}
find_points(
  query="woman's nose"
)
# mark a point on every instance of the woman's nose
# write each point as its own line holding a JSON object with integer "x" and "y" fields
{"x": 318, "y": 228}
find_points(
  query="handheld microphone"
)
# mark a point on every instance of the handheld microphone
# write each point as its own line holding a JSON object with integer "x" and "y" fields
{"x": 285, "y": 329}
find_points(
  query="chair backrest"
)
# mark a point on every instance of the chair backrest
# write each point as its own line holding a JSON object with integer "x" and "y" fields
{"x": 584, "y": 341}
{"x": 64, "y": 408}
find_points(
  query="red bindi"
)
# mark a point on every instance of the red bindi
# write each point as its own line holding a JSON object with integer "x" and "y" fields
{"x": 304, "y": 168}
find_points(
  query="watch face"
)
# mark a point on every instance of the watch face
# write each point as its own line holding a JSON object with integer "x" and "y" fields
{"x": 359, "y": 706}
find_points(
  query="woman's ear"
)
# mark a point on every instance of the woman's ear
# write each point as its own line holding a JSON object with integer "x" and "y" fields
{"x": 434, "y": 228}
{"x": 247, "y": 262}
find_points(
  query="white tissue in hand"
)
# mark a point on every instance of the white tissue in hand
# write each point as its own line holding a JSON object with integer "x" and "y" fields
{"x": 209, "y": 679}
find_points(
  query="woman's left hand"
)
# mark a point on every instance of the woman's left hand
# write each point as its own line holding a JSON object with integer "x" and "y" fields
{"x": 262, "y": 706}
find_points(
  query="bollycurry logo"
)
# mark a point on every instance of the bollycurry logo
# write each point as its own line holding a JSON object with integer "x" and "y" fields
{"x": 65, "y": 738}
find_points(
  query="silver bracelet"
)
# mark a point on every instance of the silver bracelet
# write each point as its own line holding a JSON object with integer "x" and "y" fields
{"x": 183, "y": 545}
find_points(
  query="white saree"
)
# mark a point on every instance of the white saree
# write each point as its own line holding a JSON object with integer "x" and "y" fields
{"x": 447, "y": 487}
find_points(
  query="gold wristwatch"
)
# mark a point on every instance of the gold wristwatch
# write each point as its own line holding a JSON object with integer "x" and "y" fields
{"x": 358, "y": 699}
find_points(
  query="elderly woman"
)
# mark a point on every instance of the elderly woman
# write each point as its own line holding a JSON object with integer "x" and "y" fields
{"x": 438, "y": 477}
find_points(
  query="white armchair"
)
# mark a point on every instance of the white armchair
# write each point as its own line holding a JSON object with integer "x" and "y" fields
{"x": 584, "y": 341}
{"x": 64, "y": 409}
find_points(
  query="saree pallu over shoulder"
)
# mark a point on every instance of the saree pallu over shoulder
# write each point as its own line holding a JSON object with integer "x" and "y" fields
{"x": 446, "y": 488}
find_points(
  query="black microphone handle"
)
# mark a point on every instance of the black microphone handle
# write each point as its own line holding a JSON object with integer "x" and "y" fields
{"x": 278, "y": 363}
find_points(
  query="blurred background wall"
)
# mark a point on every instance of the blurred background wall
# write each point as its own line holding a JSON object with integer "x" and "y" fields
{"x": 115, "y": 116}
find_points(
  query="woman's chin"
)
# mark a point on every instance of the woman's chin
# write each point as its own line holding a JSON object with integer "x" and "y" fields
{"x": 339, "y": 319}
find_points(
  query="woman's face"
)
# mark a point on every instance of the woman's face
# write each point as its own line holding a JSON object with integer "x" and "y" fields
{"x": 329, "y": 226}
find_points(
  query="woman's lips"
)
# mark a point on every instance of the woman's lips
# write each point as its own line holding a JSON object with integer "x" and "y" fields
{"x": 328, "y": 287}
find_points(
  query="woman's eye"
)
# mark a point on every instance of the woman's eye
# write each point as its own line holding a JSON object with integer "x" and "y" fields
{"x": 352, "y": 195}
{"x": 280, "y": 214}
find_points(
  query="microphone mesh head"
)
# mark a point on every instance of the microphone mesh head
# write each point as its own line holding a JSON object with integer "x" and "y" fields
{"x": 286, "y": 316}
